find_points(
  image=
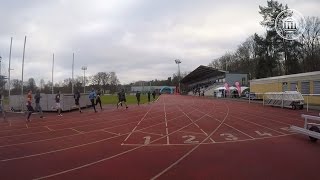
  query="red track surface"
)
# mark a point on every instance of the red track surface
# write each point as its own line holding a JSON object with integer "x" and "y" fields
{"x": 178, "y": 137}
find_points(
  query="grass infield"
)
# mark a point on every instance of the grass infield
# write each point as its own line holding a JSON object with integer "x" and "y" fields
{"x": 131, "y": 99}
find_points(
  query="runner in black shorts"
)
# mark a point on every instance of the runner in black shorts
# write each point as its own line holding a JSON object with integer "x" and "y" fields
{"x": 98, "y": 99}
{"x": 76, "y": 97}
{"x": 122, "y": 98}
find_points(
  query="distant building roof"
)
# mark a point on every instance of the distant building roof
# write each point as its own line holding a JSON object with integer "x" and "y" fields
{"x": 286, "y": 77}
{"x": 201, "y": 73}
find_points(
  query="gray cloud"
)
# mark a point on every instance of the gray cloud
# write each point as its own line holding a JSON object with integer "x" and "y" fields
{"x": 138, "y": 39}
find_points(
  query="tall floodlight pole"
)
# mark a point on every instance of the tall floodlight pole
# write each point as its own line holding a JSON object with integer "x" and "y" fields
{"x": 0, "y": 65}
{"x": 72, "y": 72}
{"x": 84, "y": 68}
{"x": 52, "y": 73}
{"x": 24, "y": 49}
{"x": 9, "y": 70}
{"x": 179, "y": 77}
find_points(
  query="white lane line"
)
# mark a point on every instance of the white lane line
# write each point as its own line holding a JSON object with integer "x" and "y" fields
{"x": 213, "y": 143}
{"x": 193, "y": 149}
{"x": 259, "y": 125}
{"x": 118, "y": 134}
{"x": 137, "y": 124}
{"x": 111, "y": 157}
{"x": 59, "y": 150}
{"x": 228, "y": 125}
{"x": 27, "y": 126}
{"x": 204, "y": 132}
{"x": 80, "y": 132}
{"x": 166, "y": 121}
{"x": 149, "y": 133}
{"x": 48, "y": 128}
{"x": 191, "y": 132}
{"x": 73, "y": 127}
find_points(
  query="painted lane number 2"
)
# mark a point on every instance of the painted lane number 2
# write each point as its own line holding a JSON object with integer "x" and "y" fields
{"x": 147, "y": 140}
{"x": 189, "y": 139}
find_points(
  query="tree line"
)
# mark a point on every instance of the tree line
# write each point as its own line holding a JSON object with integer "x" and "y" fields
{"x": 270, "y": 55}
{"x": 107, "y": 82}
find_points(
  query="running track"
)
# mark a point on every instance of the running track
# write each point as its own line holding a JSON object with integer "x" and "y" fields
{"x": 177, "y": 137}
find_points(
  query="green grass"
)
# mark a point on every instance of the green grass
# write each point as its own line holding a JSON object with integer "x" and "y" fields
{"x": 131, "y": 99}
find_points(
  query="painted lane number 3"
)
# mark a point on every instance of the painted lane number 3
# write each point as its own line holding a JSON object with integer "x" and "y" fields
{"x": 229, "y": 137}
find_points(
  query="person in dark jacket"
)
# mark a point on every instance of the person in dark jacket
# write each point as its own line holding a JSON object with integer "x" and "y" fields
{"x": 38, "y": 108}
{"x": 2, "y": 109}
{"x": 122, "y": 98}
{"x": 98, "y": 99}
{"x": 92, "y": 97}
{"x": 138, "y": 97}
{"x": 154, "y": 95}
{"x": 76, "y": 97}
{"x": 29, "y": 106}
{"x": 58, "y": 105}
{"x": 119, "y": 101}
{"x": 149, "y": 97}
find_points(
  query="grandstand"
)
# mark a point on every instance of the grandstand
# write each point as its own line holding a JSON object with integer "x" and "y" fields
{"x": 205, "y": 80}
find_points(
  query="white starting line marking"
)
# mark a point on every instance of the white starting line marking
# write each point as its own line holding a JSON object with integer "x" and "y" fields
{"x": 118, "y": 134}
{"x": 137, "y": 124}
{"x": 48, "y": 128}
{"x": 80, "y": 132}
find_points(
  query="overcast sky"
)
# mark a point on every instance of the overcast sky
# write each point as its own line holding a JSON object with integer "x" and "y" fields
{"x": 138, "y": 39}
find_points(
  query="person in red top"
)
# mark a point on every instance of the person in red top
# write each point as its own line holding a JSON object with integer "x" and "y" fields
{"x": 29, "y": 106}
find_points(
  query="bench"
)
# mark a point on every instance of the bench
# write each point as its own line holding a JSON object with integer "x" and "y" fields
{"x": 310, "y": 129}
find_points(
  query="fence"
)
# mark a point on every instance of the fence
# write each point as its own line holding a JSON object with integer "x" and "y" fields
{"x": 48, "y": 103}
{"x": 262, "y": 96}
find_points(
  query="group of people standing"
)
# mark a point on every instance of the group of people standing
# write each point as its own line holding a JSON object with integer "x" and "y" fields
{"x": 95, "y": 99}
{"x": 138, "y": 95}
{"x": 93, "y": 96}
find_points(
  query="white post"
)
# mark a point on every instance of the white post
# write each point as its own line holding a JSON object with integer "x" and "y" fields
{"x": 72, "y": 90}
{"x": 307, "y": 103}
{"x": 9, "y": 70}
{"x": 52, "y": 73}
{"x": 282, "y": 100}
{"x": 84, "y": 68}
{"x": 24, "y": 49}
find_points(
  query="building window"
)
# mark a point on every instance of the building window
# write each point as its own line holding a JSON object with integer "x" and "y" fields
{"x": 243, "y": 81}
{"x": 293, "y": 86}
{"x": 316, "y": 87}
{"x": 305, "y": 88}
{"x": 284, "y": 86}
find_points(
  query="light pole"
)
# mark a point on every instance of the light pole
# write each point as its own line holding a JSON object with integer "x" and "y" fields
{"x": 9, "y": 71}
{"x": 84, "y": 68}
{"x": 178, "y": 62}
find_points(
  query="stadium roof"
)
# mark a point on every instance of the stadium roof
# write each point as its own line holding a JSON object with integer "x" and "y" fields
{"x": 201, "y": 73}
